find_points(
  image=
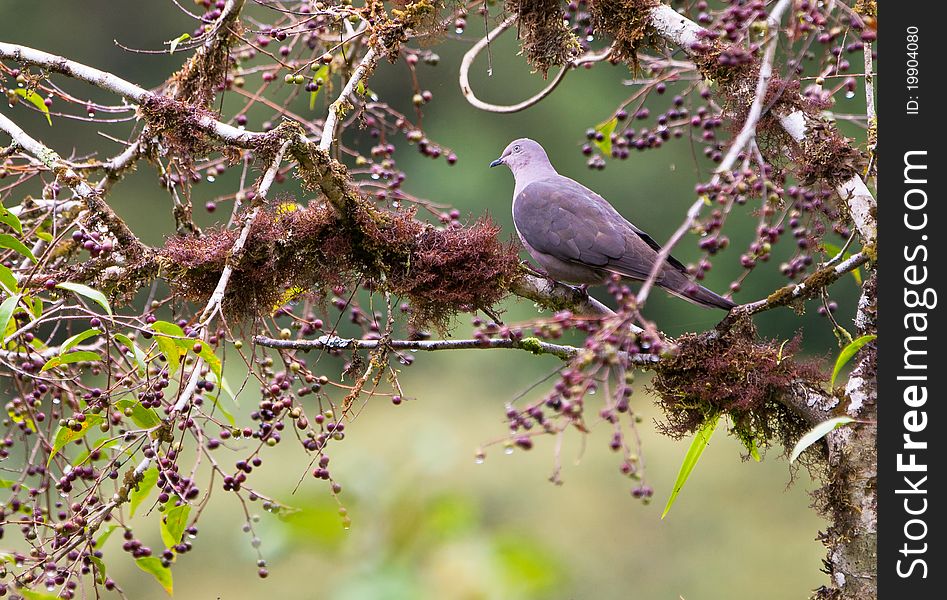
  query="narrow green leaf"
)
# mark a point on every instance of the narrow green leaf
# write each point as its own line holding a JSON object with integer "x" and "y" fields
{"x": 21, "y": 417}
{"x": 65, "y": 435}
{"x": 140, "y": 493}
{"x": 754, "y": 451}
{"x": 606, "y": 129}
{"x": 11, "y": 219}
{"x": 99, "y": 569}
{"x": 167, "y": 328}
{"x": 215, "y": 398}
{"x": 37, "y": 101}
{"x": 71, "y": 358}
{"x": 162, "y": 574}
{"x": 90, "y": 293}
{"x": 8, "y": 241}
{"x": 817, "y": 433}
{"x": 8, "y": 280}
{"x": 78, "y": 339}
{"x": 6, "y": 311}
{"x": 137, "y": 354}
{"x": 846, "y": 355}
{"x": 173, "y": 523}
{"x": 6, "y": 483}
{"x": 701, "y": 440}
{"x": 181, "y": 38}
{"x": 105, "y": 536}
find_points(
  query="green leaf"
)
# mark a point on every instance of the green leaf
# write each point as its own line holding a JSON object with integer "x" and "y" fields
{"x": 215, "y": 398}
{"x": 173, "y": 523}
{"x": 6, "y": 483}
{"x": 90, "y": 293}
{"x": 8, "y": 241}
{"x": 847, "y": 353}
{"x": 78, "y": 339}
{"x": 817, "y": 433}
{"x": 33, "y": 594}
{"x": 146, "y": 418}
{"x": 140, "y": 493}
{"x": 701, "y": 440}
{"x": 105, "y": 536}
{"x": 71, "y": 358}
{"x": 211, "y": 359}
{"x": 37, "y": 101}
{"x": 8, "y": 280}
{"x": 169, "y": 346}
{"x": 834, "y": 250}
{"x": 183, "y": 344}
{"x": 65, "y": 435}
{"x": 6, "y": 311}
{"x": 181, "y": 38}
{"x": 606, "y": 129}
{"x": 161, "y": 573}
{"x": 321, "y": 73}
{"x": 100, "y": 444}
{"x": 754, "y": 451}
{"x": 137, "y": 353}
{"x": 11, "y": 219}
{"x": 99, "y": 569}
{"x": 36, "y": 306}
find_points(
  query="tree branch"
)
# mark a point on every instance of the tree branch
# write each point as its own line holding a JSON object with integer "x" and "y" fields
{"x": 812, "y": 404}
{"x": 117, "y": 85}
{"x": 807, "y": 288}
{"x": 335, "y": 109}
{"x": 64, "y": 173}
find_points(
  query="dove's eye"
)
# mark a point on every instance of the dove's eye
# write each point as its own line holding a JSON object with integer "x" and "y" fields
{"x": 516, "y": 148}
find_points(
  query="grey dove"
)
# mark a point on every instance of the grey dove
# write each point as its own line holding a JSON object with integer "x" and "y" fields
{"x": 576, "y": 236}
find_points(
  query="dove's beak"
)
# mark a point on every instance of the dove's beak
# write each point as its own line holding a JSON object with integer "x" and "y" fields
{"x": 497, "y": 162}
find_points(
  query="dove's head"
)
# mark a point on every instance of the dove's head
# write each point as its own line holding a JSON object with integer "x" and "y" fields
{"x": 522, "y": 156}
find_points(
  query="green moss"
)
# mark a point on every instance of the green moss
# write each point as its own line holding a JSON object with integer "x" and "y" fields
{"x": 532, "y": 344}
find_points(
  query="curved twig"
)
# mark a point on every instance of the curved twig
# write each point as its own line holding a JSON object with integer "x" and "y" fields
{"x": 471, "y": 55}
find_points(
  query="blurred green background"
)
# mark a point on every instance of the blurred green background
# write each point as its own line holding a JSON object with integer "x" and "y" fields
{"x": 428, "y": 522}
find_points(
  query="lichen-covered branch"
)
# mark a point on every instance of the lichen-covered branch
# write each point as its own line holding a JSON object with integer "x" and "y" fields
{"x": 805, "y": 399}
{"x": 807, "y": 288}
{"x": 99, "y": 210}
{"x": 337, "y": 343}
{"x": 337, "y": 108}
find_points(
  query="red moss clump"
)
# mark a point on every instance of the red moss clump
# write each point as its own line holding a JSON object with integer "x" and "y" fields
{"x": 439, "y": 271}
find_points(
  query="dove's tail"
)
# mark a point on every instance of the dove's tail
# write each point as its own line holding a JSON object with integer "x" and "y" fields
{"x": 682, "y": 287}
